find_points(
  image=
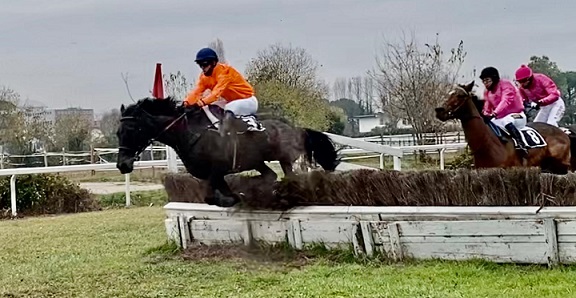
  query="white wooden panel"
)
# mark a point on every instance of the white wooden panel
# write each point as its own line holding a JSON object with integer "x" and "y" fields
{"x": 566, "y": 228}
{"x": 367, "y": 237}
{"x": 496, "y": 252}
{"x": 380, "y": 236}
{"x": 471, "y": 228}
{"x": 204, "y": 211}
{"x": 566, "y": 212}
{"x": 296, "y": 231}
{"x": 328, "y": 232}
{"x": 567, "y": 252}
{"x": 395, "y": 244}
{"x": 269, "y": 231}
{"x": 172, "y": 229}
{"x": 429, "y": 232}
{"x": 217, "y": 231}
{"x": 551, "y": 241}
{"x": 184, "y": 231}
{"x": 567, "y": 239}
{"x": 474, "y": 239}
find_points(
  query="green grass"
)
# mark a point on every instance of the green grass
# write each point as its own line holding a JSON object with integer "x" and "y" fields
{"x": 124, "y": 253}
{"x": 137, "y": 198}
{"x": 152, "y": 175}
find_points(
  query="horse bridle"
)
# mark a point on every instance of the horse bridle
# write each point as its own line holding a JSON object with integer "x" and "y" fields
{"x": 459, "y": 106}
{"x": 139, "y": 151}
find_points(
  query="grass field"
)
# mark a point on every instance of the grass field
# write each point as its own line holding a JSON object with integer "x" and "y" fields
{"x": 123, "y": 253}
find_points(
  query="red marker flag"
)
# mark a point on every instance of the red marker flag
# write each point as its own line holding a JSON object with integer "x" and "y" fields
{"x": 158, "y": 89}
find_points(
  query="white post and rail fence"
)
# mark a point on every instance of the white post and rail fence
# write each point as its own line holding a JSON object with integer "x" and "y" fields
{"x": 172, "y": 162}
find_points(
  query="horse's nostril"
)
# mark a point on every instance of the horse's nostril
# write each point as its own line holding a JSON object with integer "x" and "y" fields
{"x": 438, "y": 110}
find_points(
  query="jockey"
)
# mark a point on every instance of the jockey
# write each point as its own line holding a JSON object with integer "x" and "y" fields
{"x": 225, "y": 82}
{"x": 503, "y": 104}
{"x": 540, "y": 90}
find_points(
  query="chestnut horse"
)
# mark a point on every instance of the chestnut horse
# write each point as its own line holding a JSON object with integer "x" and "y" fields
{"x": 548, "y": 146}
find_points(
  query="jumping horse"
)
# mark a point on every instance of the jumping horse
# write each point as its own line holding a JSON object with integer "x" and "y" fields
{"x": 492, "y": 147}
{"x": 209, "y": 156}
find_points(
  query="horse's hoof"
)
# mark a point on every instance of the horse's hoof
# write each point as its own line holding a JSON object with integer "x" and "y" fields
{"x": 211, "y": 201}
{"x": 228, "y": 201}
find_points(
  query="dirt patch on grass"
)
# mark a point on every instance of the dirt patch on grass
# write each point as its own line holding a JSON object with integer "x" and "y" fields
{"x": 252, "y": 253}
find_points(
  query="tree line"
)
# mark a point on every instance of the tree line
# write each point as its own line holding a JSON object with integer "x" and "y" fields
{"x": 408, "y": 80}
{"x": 24, "y": 130}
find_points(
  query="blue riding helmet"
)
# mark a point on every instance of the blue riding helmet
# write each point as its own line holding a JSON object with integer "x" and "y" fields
{"x": 206, "y": 54}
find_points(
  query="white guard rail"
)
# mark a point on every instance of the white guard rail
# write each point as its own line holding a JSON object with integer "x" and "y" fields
{"x": 74, "y": 168}
{"x": 372, "y": 147}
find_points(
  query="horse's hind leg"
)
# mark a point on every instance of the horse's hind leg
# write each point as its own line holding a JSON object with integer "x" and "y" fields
{"x": 267, "y": 173}
{"x": 559, "y": 161}
{"x": 286, "y": 168}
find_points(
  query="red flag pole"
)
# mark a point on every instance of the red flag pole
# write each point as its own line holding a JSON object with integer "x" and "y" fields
{"x": 158, "y": 89}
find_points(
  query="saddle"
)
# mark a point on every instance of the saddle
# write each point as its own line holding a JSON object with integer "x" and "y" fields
{"x": 530, "y": 137}
{"x": 216, "y": 115}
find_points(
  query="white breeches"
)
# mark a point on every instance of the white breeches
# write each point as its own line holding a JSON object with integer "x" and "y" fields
{"x": 518, "y": 119}
{"x": 552, "y": 113}
{"x": 243, "y": 107}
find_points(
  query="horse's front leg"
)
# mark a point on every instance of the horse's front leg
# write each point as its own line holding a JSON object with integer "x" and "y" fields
{"x": 223, "y": 195}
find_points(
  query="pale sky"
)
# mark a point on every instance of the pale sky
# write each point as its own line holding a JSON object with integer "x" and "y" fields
{"x": 71, "y": 52}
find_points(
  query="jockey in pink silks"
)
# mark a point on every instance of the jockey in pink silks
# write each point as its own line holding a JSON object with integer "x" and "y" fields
{"x": 540, "y": 90}
{"x": 503, "y": 103}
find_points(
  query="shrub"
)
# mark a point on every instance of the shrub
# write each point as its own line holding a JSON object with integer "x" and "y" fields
{"x": 46, "y": 194}
{"x": 465, "y": 160}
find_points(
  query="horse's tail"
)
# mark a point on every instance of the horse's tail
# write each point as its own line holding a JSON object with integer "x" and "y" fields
{"x": 320, "y": 146}
{"x": 572, "y": 136}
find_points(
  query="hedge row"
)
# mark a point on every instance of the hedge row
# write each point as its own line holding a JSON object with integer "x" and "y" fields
{"x": 45, "y": 194}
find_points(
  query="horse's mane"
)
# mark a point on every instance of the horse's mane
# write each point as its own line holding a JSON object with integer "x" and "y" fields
{"x": 479, "y": 104}
{"x": 155, "y": 106}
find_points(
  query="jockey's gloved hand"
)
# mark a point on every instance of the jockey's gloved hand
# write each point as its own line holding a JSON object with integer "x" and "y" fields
{"x": 185, "y": 108}
{"x": 534, "y": 105}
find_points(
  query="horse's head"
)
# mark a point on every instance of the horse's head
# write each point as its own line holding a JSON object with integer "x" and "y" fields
{"x": 140, "y": 123}
{"x": 457, "y": 98}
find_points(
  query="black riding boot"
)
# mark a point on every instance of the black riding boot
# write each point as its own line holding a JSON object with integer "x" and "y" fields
{"x": 516, "y": 135}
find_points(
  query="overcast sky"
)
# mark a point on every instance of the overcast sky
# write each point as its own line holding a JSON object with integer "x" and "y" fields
{"x": 71, "y": 52}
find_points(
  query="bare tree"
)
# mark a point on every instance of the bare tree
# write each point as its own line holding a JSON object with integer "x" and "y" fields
{"x": 19, "y": 127}
{"x": 109, "y": 125}
{"x": 72, "y": 132}
{"x": 218, "y": 47}
{"x": 177, "y": 85}
{"x": 339, "y": 88}
{"x": 368, "y": 94}
{"x": 412, "y": 80}
{"x": 356, "y": 89}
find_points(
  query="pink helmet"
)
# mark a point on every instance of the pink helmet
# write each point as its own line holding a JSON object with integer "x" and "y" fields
{"x": 523, "y": 73}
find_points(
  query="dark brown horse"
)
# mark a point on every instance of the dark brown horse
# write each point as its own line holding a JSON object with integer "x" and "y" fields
{"x": 207, "y": 155}
{"x": 548, "y": 146}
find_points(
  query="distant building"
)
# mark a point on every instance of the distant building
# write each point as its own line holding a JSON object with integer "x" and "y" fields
{"x": 40, "y": 114}
{"x": 366, "y": 123}
{"x": 87, "y": 114}
{"x": 51, "y": 116}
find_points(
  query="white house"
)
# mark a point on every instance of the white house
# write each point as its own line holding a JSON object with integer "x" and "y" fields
{"x": 368, "y": 122}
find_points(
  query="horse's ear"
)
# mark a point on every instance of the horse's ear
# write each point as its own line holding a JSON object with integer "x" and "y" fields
{"x": 469, "y": 87}
{"x": 122, "y": 109}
